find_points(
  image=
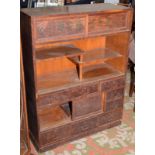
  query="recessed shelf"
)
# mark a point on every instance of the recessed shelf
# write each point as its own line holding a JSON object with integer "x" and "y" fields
{"x": 60, "y": 51}
{"x": 96, "y": 54}
{"x": 58, "y": 80}
{"x": 54, "y": 116}
{"x": 98, "y": 70}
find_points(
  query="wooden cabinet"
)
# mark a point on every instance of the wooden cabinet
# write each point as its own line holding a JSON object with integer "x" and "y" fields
{"x": 75, "y": 60}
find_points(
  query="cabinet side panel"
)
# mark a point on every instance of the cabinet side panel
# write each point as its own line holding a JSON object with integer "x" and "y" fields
{"x": 25, "y": 24}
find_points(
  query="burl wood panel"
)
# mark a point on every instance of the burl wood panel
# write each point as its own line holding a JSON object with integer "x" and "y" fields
{"x": 106, "y": 23}
{"x": 58, "y": 28}
{"x": 86, "y": 105}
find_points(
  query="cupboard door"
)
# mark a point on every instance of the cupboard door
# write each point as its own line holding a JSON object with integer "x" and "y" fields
{"x": 87, "y": 105}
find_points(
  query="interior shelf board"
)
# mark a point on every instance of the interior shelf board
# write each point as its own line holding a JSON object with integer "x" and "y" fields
{"x": 96, "y": 54}
{"x": 59, "y": 51}
{"x": 98, "y": 71}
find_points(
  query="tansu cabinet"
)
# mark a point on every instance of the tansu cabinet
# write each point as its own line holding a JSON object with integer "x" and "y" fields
{"x": 75, "y": 60}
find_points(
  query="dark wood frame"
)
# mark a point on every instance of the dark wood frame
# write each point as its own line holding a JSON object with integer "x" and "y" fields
{"x": 24, "y": 130}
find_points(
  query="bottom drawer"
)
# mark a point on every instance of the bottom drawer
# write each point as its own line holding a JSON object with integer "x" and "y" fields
{"x": 65, "y": 132}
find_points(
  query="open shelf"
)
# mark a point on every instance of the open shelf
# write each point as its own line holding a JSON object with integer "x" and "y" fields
{"x": 59, "y": 51}
{"x": 69, "y": 78}
{"x": 58, "y": 80}
{"x": 96, "y": 54}
{"x": 55, "y": 116}
{"x": 97, "y": 71}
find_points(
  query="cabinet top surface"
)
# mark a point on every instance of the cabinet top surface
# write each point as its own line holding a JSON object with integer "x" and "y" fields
{"x": 73, "y": 9}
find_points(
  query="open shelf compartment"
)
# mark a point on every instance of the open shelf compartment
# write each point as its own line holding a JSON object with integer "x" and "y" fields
{"x": 68, "y": 51}
{"x": 76, "y": 62}
{"x": 69, "y": 78}
{"x": 55, "y": 116}
{"x": 96, "y": 54}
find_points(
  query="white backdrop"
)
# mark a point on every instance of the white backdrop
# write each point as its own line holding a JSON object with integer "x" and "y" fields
{"x": 111, "y": 1}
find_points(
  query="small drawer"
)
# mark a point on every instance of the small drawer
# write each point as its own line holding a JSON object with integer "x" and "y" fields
{"x": 115, "y": 94}
{"x": 115, "y": 104}
{"x": 55, "y": 29}
{"x": 86, "y": 105}
{"x": 113, "y": 84}
{"x": 107, "y": 23}
{"x": 67, "y": 95}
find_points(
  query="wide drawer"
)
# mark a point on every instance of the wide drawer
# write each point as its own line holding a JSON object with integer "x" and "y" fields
{"x": 67, "y": 95}
{"x": 76, "y": 128}
{"x": 107, "y": 23}
{"x": 59, "y": 28}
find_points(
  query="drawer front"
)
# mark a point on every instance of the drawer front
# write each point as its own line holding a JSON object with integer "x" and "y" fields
{"x": 67, "y": 131}
{"x": 56, "y": 134}
{"x": 55, "y": 29}
{"x": 115, "y": 104}
{"x": 105, "y": 23}
{"x": 84, "y": 126}
{"x": 113, "y": 84}
{"x": 115, "y": 94}
{"x": 67, "y": 95}
{"x": 87, "y": 105}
